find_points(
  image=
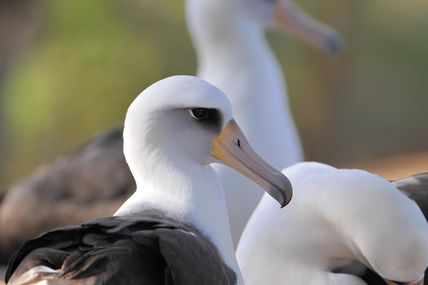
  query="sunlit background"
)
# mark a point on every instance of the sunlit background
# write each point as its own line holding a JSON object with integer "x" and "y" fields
{"x": 69, "y": 69}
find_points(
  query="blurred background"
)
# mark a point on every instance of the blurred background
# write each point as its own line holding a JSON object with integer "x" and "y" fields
{"x": 69, "y": 70}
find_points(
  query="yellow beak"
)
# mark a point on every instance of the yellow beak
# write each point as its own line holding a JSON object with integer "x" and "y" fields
{"x": 294, "y": 20}
{"x": 232, "y": 149}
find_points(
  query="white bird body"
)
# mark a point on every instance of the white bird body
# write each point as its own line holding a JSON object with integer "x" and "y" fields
{"x": 234, "y": 55}
{"x": 248, "y": 70}
{"x": 257, "y": 89}
{"x": 159, "y": 164}
{"x": 336, "y": 218}
{"x": 193, "y": 205}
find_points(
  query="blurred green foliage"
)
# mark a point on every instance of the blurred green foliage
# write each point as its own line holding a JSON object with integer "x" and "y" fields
{"x": 91, "y": 58}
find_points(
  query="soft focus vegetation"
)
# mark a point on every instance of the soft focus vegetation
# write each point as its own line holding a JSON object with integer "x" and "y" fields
{"x": 89, "y": 59}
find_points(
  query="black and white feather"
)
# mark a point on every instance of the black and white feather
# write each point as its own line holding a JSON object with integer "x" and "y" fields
{"x": 152, "y": 249}
{"x": 416, "y": 188}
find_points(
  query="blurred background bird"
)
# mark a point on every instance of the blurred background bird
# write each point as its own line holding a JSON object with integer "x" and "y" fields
{"x": 234, "y": 55}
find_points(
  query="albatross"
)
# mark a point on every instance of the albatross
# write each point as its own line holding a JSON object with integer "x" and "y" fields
{"x": 341, "y": 226}
{"x": 234, "y": 55}
{"x": 174, "y": 229}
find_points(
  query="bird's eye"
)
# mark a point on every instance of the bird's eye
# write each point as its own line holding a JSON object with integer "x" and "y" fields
{"x": 200, "y": 113}
{"x": 207, "y": 117}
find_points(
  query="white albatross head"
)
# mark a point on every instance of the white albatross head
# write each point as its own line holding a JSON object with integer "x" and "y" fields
{"x": 185, "y": 123}
{"x": 215, "y": 18}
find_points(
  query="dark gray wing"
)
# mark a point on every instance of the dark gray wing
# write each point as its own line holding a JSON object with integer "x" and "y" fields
{"x": 357, "y": 269}
{"x": 93, "y": 178}
{"x": 416, "y": 188}
{"x": 371, "y": 278}
{"x": 122, "y": 250}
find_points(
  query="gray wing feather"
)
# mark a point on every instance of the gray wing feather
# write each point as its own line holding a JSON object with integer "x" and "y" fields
{"x": 416, "y": 188}
{"x": 121, "y": 250}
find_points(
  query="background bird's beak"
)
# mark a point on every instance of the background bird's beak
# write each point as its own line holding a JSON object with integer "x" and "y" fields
{"x": 232, "y": 149}
{"x": 294, "y": 20}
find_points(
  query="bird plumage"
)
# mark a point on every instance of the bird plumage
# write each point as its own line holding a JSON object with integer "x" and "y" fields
{"x": 149, "y": 247}
{"x": 337, "y": 219}
{"x": 94, "y": 178}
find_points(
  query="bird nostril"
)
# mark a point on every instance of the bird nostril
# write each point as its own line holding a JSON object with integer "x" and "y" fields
{"x": 238, "y": 143}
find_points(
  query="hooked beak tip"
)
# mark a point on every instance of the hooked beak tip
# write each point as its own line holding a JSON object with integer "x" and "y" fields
{"x": 294, "y": 20}
{"x": 334, "y": 44}
{"x": 283, "y": 193}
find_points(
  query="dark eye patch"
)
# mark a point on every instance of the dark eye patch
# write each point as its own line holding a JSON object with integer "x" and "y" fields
{"x": 207, "y": 116}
